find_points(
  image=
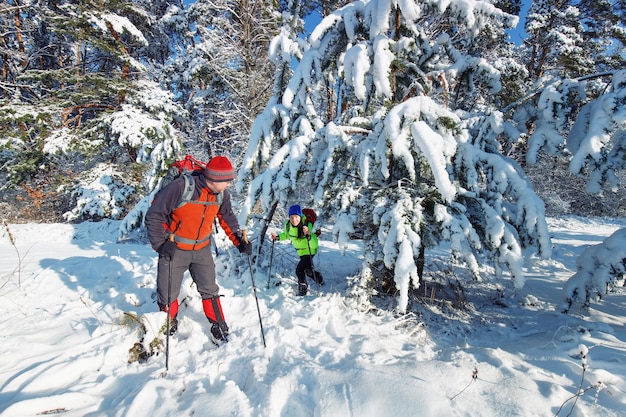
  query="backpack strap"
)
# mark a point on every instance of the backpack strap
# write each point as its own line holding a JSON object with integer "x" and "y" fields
{"x": 289, "y": 226}
{"x": 189, "y": 189}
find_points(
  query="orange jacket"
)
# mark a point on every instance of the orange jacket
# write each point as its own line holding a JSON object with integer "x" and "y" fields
{"x": 192, "y": 224}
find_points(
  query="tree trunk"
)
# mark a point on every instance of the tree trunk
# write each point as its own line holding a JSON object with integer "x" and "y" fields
{"x": 18, "y": 34}
{"x": 118, "y": 38}
{"x": 421, "y": 259}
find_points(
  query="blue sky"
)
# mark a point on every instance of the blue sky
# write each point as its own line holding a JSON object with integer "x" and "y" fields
{"x": 518, "y": 34}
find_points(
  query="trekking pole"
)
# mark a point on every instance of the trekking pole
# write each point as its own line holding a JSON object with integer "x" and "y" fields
{"x": 245, "y": 238}
{"x": 317, "y": 284}
{"x": 168, "y": 311}
{"x": 269, "y": 272}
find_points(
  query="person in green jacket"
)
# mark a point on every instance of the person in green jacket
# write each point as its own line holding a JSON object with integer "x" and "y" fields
{"x": 299, "y": 231}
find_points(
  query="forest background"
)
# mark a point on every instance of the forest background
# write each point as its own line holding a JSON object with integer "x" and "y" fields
{"x": 99, "y": 97}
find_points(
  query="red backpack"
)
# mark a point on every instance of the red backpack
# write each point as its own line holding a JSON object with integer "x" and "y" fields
{"x": 311, "y": 217}
{"x": 187, "y": 167}
{"x": 189, "y": 163}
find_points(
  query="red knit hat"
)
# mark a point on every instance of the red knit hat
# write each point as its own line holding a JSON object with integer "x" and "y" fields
{"x": 219, "y": 169}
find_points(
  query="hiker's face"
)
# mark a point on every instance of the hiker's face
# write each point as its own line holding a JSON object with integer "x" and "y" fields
{"x": 294, "y": 219}
{"x": 218, "y": 187}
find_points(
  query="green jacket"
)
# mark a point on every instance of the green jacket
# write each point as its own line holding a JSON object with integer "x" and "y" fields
{"x": 298, "y": 239}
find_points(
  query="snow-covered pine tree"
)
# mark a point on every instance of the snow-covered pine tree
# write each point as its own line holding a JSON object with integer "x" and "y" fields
{"x": 555, "y": 43}
{"x": 600, "y": 269}
{"x": 572, "y": 52}
{"x": 222, "y": 77}
{"x": 584, "y": 117}
{"x": 267, "y": 133}
{"x": 145, "y": 123}
{"x": 223, "y": 73}
{"x": 566, "y": 44}
{"x": 576, "y": 112}
{"x": 165, "y": 27}
{"x": 410, "y": 158}
{"x": 604, "y": 38}
{"x": 81, "y": 117}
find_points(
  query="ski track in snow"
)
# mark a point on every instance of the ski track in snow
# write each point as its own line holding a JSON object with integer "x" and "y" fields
{"x": 64, "y": 351}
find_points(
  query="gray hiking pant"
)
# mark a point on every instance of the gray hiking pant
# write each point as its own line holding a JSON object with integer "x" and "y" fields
{"x": 201, "y": 267}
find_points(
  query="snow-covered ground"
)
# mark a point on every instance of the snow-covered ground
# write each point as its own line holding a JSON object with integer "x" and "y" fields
{"x": 477, "y": 351}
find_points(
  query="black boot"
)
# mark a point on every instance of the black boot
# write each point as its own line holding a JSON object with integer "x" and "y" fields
{"x": 302, "y": 288}
{"x": 173, "y": 325}
{"x": 219, "y": 333}
{"x": 213, "y": 311}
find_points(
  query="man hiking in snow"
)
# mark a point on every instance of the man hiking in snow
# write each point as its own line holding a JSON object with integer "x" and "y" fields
{"x": 298, "y": 230}
{"x": 180, "y": 232}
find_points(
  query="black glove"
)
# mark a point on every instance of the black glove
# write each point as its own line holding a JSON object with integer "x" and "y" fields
{"x": 167, "y": 249}
{"x": 245, "y": 247}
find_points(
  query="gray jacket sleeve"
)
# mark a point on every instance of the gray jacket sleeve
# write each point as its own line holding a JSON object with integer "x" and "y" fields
{"x": 158, "y": 215}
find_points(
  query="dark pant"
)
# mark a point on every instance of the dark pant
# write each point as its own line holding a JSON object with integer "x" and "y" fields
{"x": 201, "y": 267}
{"x": 305, "y": 268}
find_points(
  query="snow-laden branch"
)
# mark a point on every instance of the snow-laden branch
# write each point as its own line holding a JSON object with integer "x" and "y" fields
{"x": 600, "y": 268}
{"x": 592, "y": 133}
{"x": 397, "y": 160}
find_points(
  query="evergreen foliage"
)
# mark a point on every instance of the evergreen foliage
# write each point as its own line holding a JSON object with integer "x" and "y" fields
{"x": 125, "y": 84}
{"x": 402, "y": 159}
{"x": 409, "y": 123}
{"x": 224, "y": 74}
{"x": 78, "y": 104}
